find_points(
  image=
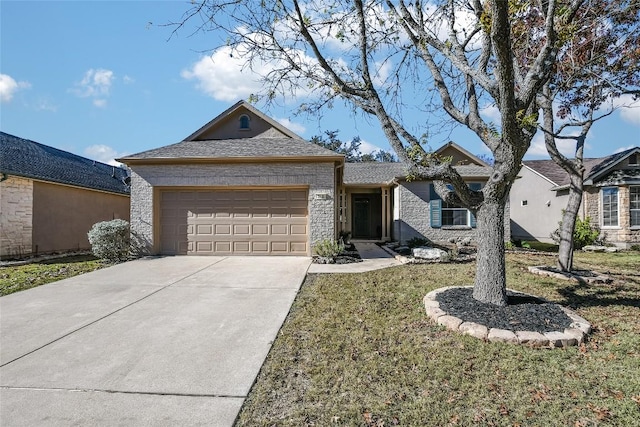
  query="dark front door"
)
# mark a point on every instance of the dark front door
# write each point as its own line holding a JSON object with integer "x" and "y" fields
{"x": 366, "y": 218}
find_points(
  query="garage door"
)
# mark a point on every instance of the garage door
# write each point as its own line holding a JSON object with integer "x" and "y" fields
{"x": 234, "y": 222}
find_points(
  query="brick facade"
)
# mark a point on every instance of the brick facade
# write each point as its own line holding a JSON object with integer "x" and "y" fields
{"x": 16, "y": 216}
{"x": 318, "y": 177}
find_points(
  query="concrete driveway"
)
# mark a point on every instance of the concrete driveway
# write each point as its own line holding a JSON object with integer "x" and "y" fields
{"x": 159, "y": 341}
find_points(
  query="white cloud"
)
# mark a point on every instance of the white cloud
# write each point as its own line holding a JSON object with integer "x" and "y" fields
{"x": 226, "y": 76}
{"x": 8, "y": 87}
{"x": 128, "y": 80}
{"x": 45, "y": 104}
{"x": 295, "y": 127}
{"x": 629, "y": 109}
{"x": 621, "y": 149}
{"x": 104, "y": 154}
{"x": 538, "y": 148}
{"x": 96, "y": 83}
{"x": 367, "y": 147}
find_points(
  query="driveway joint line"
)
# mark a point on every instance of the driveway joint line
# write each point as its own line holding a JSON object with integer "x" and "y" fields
{"x": 149, "y": 393}
{"x": 109, "y": 314}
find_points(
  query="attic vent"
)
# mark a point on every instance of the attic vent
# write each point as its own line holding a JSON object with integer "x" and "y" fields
{"x": 244, "y": 122}
{"x": 633, "y": 160}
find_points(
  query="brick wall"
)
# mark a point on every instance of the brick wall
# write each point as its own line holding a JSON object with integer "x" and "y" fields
{"x": 16, "y": 217}
{"x": 319, "y": 177}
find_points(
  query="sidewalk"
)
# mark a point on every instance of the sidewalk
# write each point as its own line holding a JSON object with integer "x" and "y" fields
{"x": 374, "y": 258}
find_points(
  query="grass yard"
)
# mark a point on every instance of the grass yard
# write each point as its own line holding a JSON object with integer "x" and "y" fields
{"x": 359, "y": 350}
{"x": 20, "y": 277}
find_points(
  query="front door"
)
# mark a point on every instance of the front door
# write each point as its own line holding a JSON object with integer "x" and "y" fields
{"x": 366, "y": 218}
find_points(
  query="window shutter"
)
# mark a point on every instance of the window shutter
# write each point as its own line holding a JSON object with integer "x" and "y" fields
{"x": 435, "y": 208}
{"x": 476, "y": 186}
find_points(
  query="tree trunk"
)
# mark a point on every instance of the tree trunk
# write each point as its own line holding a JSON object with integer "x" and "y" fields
{"x": 491, "y": 283}
{"x": 565, "y": 251}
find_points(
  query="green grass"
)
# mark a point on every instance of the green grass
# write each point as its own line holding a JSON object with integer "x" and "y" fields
{"x": 18, "y": 278}
{"x": 358, "y": 349}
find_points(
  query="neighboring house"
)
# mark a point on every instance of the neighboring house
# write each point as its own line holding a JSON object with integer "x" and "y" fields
{"x": 49, "y": 198}
{"x": 245, "y": 184}
{"x": 611, "y": 198}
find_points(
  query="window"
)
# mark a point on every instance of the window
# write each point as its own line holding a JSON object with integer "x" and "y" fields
{"x": 633, "y": 160}
{"x": 449, "y": 215}
{"x": 244, "y": 122}
{"x": 610, "y": 207}
{"x": 524, "y": 203}
{"x": 454, "y": 215}
{"x": 634, "y": 205}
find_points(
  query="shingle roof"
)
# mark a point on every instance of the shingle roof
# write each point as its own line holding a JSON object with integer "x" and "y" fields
{"x": 30, "y": 159}
{"x": 372, "y": 172}
{"x": 258, "y": 147}
{"x": 593, "y": 166}
{"x": 386, "y": 172}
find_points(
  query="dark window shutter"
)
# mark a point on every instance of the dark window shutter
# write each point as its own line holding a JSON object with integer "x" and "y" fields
{"x": 435, "y": 208}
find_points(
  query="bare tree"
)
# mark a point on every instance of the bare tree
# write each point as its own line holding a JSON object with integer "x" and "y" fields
{"x": 386, "y": 58}
{"x": 599, "y": 63}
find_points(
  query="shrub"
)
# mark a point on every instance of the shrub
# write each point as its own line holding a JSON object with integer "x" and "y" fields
{"x": 328, "y": 248}
{"x": 584, "y": 234}
{"x": 110, "y": 240}
{"x": 416, "y": 242}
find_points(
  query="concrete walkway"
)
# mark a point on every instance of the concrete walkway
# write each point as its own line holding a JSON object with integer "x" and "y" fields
{"x": 374, "y": 258}
{"x": 157, "y": 342}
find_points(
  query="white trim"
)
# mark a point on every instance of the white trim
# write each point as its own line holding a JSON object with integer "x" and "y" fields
{"x": 610, "y": 227}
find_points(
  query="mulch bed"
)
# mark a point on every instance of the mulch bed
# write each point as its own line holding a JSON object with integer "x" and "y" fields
{"x": 348, "y": 256}
{"x": 522, "y": 313}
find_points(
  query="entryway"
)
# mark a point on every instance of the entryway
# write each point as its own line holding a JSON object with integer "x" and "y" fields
{"x": 367, "y": 216}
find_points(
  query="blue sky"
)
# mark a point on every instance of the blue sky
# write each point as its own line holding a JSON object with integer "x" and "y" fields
{"x": 103, "y": 79}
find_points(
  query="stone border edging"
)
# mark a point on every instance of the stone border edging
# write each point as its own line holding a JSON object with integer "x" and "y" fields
{"x": 572, "y": 336}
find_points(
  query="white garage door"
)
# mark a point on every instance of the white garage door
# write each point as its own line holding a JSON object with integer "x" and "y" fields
{"x": 234, "y": 222}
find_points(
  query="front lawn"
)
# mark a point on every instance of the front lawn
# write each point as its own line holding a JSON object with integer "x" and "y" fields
{"x": 358, "y": 349}
{"x": 20, "y": 277}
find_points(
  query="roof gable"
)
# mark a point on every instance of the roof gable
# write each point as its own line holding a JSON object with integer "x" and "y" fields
{"x": 595, "y": 168}
{"x": 459, "y": 156}
{"x": 29, "y": 159}
{"x": 229, "y": 125}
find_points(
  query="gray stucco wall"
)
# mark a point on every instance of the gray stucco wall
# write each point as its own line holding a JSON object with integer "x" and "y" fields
{"x": 318, "y": 177}
{"x": 412, "y": 216}
{"x": 539, "y": 217}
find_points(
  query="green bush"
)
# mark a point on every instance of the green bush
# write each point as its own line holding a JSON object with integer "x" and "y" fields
{"x": 110, "y": 240}
{"x": 584, "y": 234}
{"x": 328, "y": 248}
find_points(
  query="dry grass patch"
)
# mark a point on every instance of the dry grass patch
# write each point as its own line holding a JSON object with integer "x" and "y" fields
{"x": 20, "y": 277}
{"x": 358, "y": 349}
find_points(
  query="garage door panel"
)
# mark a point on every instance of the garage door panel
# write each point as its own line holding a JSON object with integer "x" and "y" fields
{"x": 242, "y": 222}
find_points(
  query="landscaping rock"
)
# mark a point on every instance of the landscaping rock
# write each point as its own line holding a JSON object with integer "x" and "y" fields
{"x": 450, "y": 322}
{"x": 474, "y": 329}
{"x": 575, "y": 333}
{"x": 434, "y": 312}
{"x": 533, "y": 339}
{"x": 560, "y": 339}
{"x": 502, "y": 335}
{"x": 429, "y": 253}
{"x": 594, "y": 248}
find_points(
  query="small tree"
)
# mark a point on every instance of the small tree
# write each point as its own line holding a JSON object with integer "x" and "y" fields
{"x": 110, "y": 240}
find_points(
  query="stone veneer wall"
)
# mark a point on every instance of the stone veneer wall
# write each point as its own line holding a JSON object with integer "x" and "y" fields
{"x": 16, "y": 217}
{"x": 622, "y": 236}
{"x": 319, "y": 177}
{"x": 414, "y": 217}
